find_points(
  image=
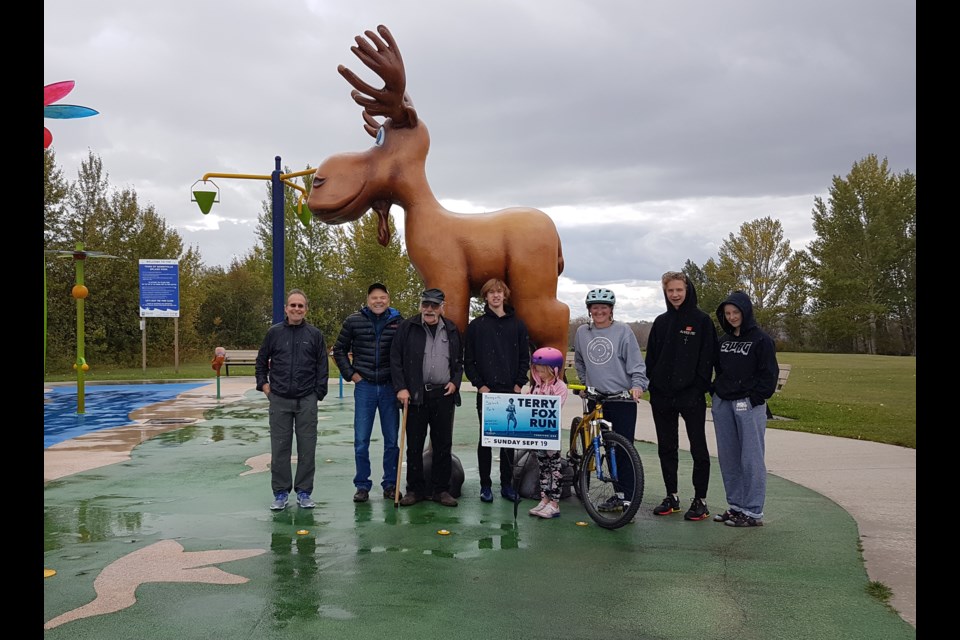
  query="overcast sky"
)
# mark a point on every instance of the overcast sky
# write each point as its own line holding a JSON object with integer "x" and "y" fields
{"x": 648, "y": 131}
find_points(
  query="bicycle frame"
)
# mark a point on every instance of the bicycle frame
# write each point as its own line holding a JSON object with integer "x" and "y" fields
{"x": 590, "y": 430}
{"x": 594, "y": 426}
{"x": 596, "y": 450}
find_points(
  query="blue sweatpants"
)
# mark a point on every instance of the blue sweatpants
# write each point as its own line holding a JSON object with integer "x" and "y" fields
{"x": 740, "y": 432}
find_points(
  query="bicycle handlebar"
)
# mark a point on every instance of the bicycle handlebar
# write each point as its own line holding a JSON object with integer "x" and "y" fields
{"x": 593, "y": 394}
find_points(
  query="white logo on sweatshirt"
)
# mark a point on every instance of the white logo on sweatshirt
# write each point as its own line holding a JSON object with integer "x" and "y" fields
{"x": 600, "y": 350}
{"x": 742, "y": 348}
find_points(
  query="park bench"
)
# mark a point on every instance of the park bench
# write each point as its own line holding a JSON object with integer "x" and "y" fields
{"x": 239, "y": 358}
{"x": 568, "y": 363}
{"x": 782, "y": 377}
{"x": 781, "y": 380}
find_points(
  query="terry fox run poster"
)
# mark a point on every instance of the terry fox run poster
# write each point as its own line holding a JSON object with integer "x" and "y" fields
{"x": 521, "y": 422}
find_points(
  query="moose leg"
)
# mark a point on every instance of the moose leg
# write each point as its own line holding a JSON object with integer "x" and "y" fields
{"x": 456, "y": 306}
{"x": 547, "y": 320}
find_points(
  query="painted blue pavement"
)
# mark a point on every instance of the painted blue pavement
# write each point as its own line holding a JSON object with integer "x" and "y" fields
{"x": 107, "y": 406}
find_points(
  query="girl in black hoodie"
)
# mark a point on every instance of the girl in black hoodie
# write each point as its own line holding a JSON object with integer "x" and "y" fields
{"x": 746, "y": 375}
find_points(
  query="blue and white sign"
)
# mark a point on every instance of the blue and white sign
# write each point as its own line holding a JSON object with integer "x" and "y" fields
{"x": 159, "y": 289}
{"x": 521, "y": 422}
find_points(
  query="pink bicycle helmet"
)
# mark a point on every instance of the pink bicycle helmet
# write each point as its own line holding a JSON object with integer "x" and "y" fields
{"x": 548, "y": 356}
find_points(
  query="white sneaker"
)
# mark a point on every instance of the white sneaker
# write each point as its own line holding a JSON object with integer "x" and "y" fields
{"x": 549, "y": 511}
{"x": 536, "y": 510}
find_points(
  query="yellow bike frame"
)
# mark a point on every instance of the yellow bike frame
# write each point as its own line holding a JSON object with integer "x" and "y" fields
{"x": 590, "y": 425}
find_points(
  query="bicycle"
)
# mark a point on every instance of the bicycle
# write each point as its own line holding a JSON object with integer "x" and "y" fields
{"x": 594, "y": 454}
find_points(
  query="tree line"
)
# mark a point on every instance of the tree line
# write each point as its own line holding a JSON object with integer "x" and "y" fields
{"x": 853, "y": 290}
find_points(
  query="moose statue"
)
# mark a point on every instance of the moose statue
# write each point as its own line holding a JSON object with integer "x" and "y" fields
{"x": 451, "y": 251}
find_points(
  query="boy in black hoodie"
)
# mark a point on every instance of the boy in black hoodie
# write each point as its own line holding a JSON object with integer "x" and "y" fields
{"x": 680, "y": 352}
{"x": 747, "y": 373}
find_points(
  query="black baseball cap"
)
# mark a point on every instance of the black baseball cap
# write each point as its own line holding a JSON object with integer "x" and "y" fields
{"x": 377, "y": 285}
{"x": 432, "y": 295}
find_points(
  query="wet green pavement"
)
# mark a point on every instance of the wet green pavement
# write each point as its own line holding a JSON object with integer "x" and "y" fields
{"x": 373, "y": 571}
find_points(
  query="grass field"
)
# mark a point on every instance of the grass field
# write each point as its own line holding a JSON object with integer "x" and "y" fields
{"x": 852, "y": 396}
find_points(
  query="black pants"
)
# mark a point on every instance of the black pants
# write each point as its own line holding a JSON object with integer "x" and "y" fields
{"x": 693, "y": 409}
{"x": 485, "y": 454}
{"x": 623, "y": 417}
{"x": 436, "y": 413}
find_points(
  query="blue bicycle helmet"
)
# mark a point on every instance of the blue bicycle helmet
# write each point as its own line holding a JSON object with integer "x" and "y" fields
{"x": 604, "y": 296}
{"x": 547, "y": 356}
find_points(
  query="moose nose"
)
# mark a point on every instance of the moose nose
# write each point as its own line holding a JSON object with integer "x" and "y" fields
{"x": 318, "y": 181}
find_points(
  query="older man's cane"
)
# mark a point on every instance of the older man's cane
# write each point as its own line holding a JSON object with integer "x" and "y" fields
{"x": 403, "y": 434}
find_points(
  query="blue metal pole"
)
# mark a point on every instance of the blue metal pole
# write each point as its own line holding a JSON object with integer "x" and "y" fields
{"x": 279, "y": 301}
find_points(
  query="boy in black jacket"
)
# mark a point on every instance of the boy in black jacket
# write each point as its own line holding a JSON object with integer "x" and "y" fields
{"x": 680, "y": 352}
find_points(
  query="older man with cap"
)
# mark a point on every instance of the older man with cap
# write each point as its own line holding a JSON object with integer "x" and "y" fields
{"x": 362, "y": 353}
{"x": 426, "y": 366}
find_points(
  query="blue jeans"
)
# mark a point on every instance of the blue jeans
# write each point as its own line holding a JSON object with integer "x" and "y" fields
{"x": 368, "y": 399}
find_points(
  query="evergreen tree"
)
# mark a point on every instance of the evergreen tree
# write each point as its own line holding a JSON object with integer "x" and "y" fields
{"x": 864, "y": 260}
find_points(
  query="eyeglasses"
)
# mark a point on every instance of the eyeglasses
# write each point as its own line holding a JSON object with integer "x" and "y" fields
{"x": 296, "y": 305}
{"x": 430, "y": 305}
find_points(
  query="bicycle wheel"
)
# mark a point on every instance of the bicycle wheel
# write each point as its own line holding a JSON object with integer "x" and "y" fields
{"x": 578, "y": 448}
{"x": 597, "y": 488}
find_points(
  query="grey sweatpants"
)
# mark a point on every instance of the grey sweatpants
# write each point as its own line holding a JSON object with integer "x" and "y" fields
{"x": 286, "y": 417}
{"x": 740, "y": 432}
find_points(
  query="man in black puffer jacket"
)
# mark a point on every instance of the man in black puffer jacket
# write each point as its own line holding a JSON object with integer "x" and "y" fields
{"x": 367, "y": 335}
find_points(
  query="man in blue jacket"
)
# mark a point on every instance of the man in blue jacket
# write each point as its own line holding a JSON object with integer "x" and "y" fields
{"x": 292, "y": 371}
{"x": 367, "y": 336}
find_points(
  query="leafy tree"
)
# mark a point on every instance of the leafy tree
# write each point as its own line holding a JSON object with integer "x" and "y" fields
{"x": 55, "y": 189}
{"x": 310, "y": 258}
{"x": 334, "y": 265}
{"x": 757, "y": 261}
{"x": 113, "y": 222}
{"x": 798, "y": 296}
{"x": 236, "y": 307}
{"x": 864, "y": 260}
{"x": 712, "y": 286}
{"x": 366, "y": 261}
{"x": 87, "y": 201}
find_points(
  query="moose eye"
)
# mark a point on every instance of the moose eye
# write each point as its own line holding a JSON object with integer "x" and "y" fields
{"x": 381, "y": 136}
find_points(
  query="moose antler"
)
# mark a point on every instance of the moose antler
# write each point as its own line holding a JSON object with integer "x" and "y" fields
{"x": 383, "y": 58}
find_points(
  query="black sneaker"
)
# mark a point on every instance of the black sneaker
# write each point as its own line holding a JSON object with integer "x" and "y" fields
{"x": 697, "y": 511}
{"x": 743, "y": 520}
{"x": 614, "y": 503}
{"x": 726, "y": 515}
{"x": 390, "y": 493}
{"x": 670, "y": 504}
{"x": 362, "y": 495}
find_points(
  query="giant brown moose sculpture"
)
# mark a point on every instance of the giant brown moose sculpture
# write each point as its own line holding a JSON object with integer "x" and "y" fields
{"x": 454, "y": 252}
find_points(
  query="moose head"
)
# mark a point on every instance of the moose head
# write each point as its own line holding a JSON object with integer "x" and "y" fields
{"x": 451, "y": 251}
